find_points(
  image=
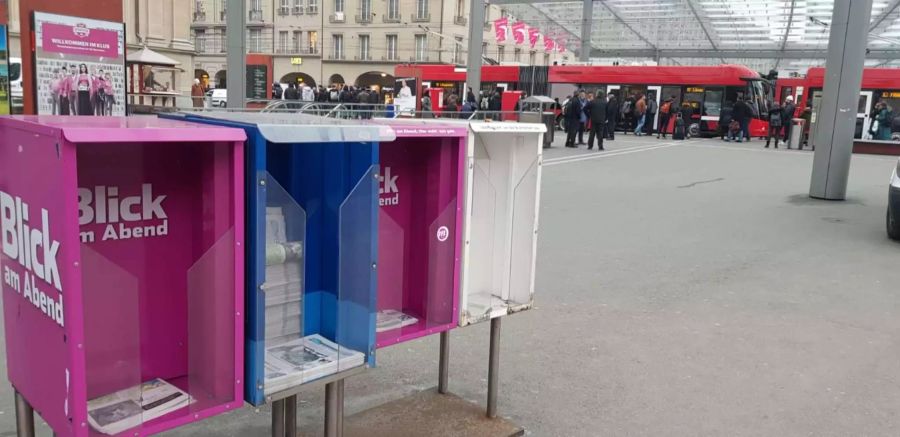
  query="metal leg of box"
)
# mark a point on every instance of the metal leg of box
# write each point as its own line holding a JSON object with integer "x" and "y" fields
{"x": 278, "y": 418}
{"x": 444, "y": 364}
{"x": 331, "y": 407}
{"x": 493, "y": 368}
{"x": 24, "y": 417}
{"x": 290, "y": 416}
{"x": 340, "y": 408}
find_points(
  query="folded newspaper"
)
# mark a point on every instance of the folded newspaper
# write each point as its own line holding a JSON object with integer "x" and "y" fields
{"x": 305, "y": 359}
{"x": 125, "y": 409}
{"x": 393, "y": 319}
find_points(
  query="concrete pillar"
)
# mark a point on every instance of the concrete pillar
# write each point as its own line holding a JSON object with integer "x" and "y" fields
{"x": 235, "y": 23}
{"x": 476, "y": 38}
{"x": 587, "y": 21}
{"x": 836, "y": 122}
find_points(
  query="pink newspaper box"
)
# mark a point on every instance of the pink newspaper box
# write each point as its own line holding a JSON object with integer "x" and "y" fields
{"x": 419, "y": 230}
{"x": 122, "y": 270}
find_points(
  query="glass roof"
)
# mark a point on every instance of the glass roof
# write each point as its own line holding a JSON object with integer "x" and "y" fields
{"x": 762, "y": 34}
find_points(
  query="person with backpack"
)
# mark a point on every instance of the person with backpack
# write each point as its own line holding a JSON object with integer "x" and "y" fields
{"x": 665, "y": 115}
{"x": 775, "y": 119}
{"x": 650, "y": 116}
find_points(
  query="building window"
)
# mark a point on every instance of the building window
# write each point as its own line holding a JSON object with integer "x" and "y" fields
{"x": 517, "y": 55}
{"x": 393, "y": 11}
{"x": 365, "y": 8}
{"x": 392, "y": 47}
{"x": 283, "y": 41}
{"x": 200, "y": 40}
{"x": 312, "y": 39}
{"x": 295, "y": 41}
{"x": 222, "y": 41}
{"x": 364, "y": 48}
{"x": 500, "y": 52}
{"x": 421, "y": 48}
{"x": 422, "y": 9}
{"x": 255, "y": 41}
{"x": 285, "y": 7}
{"x": 460, "y": 8}
{"x": 339, "y": 6}
{"x": 457, "y": 50}
{"x": 298, "y": 7}
{"x": 337, "y": 46}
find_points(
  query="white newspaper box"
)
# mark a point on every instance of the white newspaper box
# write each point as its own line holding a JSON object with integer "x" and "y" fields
{"x": 503, "y": 183}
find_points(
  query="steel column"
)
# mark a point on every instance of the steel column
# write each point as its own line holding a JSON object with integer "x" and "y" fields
{"x": 493, "y": 368}
{"x": 587, "y": 21}
{"x": 278, "y": 418}
{"x": 444, "y": 364}
{"x": 476, "y": 38}
{"x": 290, "y": 416}
{"x": 836, "y": 123}
{"x": 24, "y": 417}
{"x": 236, "y": 57}
{"x": 331, "y": 407}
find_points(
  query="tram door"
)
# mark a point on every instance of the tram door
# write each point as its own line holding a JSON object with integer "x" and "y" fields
{"x": 864, "y": 115}
{"x": 655, "y": 92}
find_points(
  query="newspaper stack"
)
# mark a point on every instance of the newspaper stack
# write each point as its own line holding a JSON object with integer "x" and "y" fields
{"x": 125, "y": 409}
{"x": 393, "y": 319}
{"x": 283, "y": 286}
{"x": 305, "y": 359}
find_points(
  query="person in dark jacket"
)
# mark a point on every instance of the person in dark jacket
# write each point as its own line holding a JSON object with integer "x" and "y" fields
{"x": 742, "y": 114}
{"x": 687, "y": 117}
{"x": 597, "y": 110}
{"x": 787, "y": 114}
{"x": 612, "y": 116}
{"x": 573, "y": 111}
{"x": 776, "y": 117}
{"x": 470, "y": 97}
{"x": 725, "y": 117}
{"x": 666, "y": 111}
{"x": 495, "y": 104}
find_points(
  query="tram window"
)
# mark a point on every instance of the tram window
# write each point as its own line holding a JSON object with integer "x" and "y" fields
{"x": 731, "y": 96}
{"x": 892, "y": 98}
{"x": 862, "y": 105}
{"x": 695, "y": 99}
{"x": 712, "y": 102}
{"x": 669, "y": 91}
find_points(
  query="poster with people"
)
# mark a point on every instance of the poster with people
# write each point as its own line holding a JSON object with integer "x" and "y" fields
{"x": 405, "y": 99}
{"x": 79, "y": 66}
{"x": 4, "y": 73}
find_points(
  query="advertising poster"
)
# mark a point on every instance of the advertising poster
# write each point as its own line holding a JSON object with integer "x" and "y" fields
{"x": 4, "y": 72}
{"x": 405, "y": 100}
{"x": 79, "y": 66}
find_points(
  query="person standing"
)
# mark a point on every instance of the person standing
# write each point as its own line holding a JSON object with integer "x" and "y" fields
{"x": 640, "y": 114}
{"x": 55, "y": 86}
{"x": 573, "y": 113}
{"x": 426, "y": 106}
{"x": 612, "y": 116}
{"x": 665, "y": 114}
{"x": 597, "y": 109}
{"x": 787, "y": 114}
{"x": 277, "y": 92}
{"x": 885, "y": 117}
{"x": 495, "y": 104}
{"x": 110, "y": 94}
{"x": 84, "y": 91}
{"x": 582, "y": 117}
{"x": 687, "y": 118}
{"x": 650, "y": 117}
{"x": 197, "y": 94}
{"x": 470, "y": 97}
{"x": 627, "y": 112}
{"x": 742, "y": 114}
{"x": 775, "y": 119}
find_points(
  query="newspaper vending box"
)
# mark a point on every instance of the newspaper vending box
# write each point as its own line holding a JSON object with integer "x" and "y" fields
{"x": 122, "y": 271}
{"x": 419, "y": 230}
{"x": 503, "y": 184}
{"x": 312, "y": 202}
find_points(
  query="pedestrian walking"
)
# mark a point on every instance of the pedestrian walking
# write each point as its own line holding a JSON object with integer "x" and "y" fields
{"x": 640, "y": 115}
{"x": 197, "y": 94}
{"x": 787, "y": 114}
{"x": 776, "y": 117}
{"x": 742, "y": 114}
{"x": 665, "y": 115}
{"x": 650, "y": 117}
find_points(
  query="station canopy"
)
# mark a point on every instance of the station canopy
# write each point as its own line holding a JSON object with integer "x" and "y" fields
{"x": 786, "y": 35}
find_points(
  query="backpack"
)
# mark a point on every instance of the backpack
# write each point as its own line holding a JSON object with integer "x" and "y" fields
{"x": 666, "y": 107}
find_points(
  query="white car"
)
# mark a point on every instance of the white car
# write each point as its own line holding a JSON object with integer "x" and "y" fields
{"x": 219, "y": 98}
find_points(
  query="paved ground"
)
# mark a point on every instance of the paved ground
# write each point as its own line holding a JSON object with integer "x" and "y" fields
{"x": 684, "y": 289}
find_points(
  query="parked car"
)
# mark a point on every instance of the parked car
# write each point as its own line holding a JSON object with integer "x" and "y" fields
{"x": 893, "y": 209}
{"x": 219, "y": 97}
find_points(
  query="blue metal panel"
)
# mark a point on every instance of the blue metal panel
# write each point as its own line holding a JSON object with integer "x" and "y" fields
{"x": 319, "y": 177}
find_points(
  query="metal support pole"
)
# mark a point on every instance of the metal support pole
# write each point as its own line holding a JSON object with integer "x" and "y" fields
{"x": 340, "y": 408}
{"x": 444, "y": 364}
{"x": 493, "y": 368}
{"x": 24, "y": 417}
{"x": 836, "y": 123}
{"x": 331, "y": 407}
{"x": 475, "y": 53}
{"x": 278, "y": 418}
{"x": 290, "y": 416}
{"x": 236, "y": 43}
{"x": 587, "y": 21}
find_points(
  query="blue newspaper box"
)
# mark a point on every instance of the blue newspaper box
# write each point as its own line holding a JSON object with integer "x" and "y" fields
{"x": 312, "y": 227}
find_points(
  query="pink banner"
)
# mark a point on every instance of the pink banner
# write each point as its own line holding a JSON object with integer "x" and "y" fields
{"x": 519, "y": 32}
{"x": 501, "y": 27}
{"x": 79, "y": 40}
{"x": 549, "y": 44}
{"x": 533, "y": 35}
